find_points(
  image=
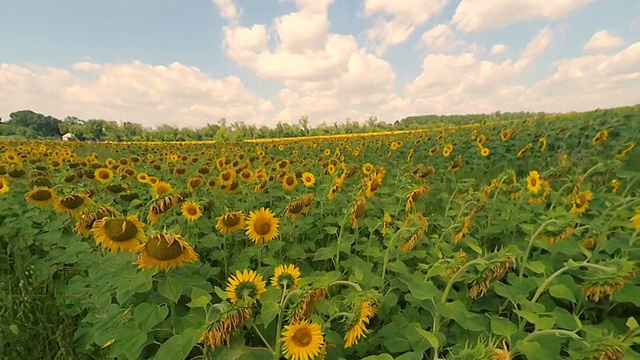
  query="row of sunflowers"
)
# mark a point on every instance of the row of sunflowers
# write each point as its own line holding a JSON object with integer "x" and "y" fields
{"x": 491, "y": 241}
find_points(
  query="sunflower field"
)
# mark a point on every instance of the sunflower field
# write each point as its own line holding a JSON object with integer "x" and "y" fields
{"x": 496, "y": 240}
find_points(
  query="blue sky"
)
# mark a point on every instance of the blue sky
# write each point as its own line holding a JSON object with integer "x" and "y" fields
{"x": 188, "y": 63}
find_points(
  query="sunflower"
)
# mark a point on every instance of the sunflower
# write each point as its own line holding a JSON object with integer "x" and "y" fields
{"x": 226, "y": 177}
{"x": 165, "y": 251}
{"x": 302, "y": 340}
{"x": 119, "y": 233}
{"x": 161, "y": 188}
{"x": 600, "y": 137}
{"x": 103, "y": 175}
{"x": 581, "y": 203}
{"x": 506, "y": 134}
{"x": 262, "y": 226}
{"x": 448, "y": 149}
{"x": 357, "y": 211}
{"x": 191, "y": 210}
{"x": 86, "y": 221}
{"x": 373, "y": 184}
{"x": 386, "y": 222}
{"x": 245, "y": 286}
{"x": 41, "y": 196}
{"x": 289, "y": 182}
{"x": 285, "y": 277}
{"x": 485, "y": 151}
{"x": 433, "y": 150}
{"x": 230, "y": 222}
{"x": 71, "y": 204}
{"x": 308, "y": 179}
{"x": 635, "y": 220}
{"x": 4, "y": 186}
{"x": 457, "y": 163}
{"x": 501, "y": 354}
{"x": 358, "y": 327}
{"x": 195, "y": 182}
{"x": 533, "y": 182}
{"x": 367, "y": 168}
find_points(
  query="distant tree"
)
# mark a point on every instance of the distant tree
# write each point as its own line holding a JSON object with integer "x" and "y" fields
{"x": 45, "y": 126}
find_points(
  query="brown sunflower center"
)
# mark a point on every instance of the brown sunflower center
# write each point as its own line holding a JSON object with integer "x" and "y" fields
{"x": 1, "y": 185}
{"x": 375, "y": 184}
{"x": 16, "y": 173}
{"x": 290, "y": 180}
{"x": 534, "y": 182}
{"x": 72, "y": 202}
{"x": 160, "y": 249}
{"x": 246, "y": 174}
{"x": 234, "y": 185}
{"x": 181, "y": 171}
{"x": 262, "y": 226}
{"x": 307, "y": 179}
{"x": 302, "y": 337}
{"x": 226, "y": 176}
{"x": 296, "y": 207}
{"x": 42, "y": 195}
{"x": 231, "y": 220}
{"x": 192, "y": 210}
{"x": 104, "y": 175}
{"x": 120, "y": 230}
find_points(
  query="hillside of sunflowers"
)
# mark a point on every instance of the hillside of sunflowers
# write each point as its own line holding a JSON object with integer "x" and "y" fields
{"x": 491, "y": 240}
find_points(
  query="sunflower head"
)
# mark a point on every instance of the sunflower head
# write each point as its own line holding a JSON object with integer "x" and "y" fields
{"x": 308, "y": 179}
{"x": 581, "y": 202}
{"x": 161, "y": 188}
{"x": 4, "y": 185}
{"x": 302, "y": 340}
{"x": 72, "y": 204}
{"x": 191, "y": 210}
{"x": 533, "y": 182}
{"x": 289, "y": 182}
{"x": 165, "y": 251}
{"x": 285, "y": 277}
{"x": 262, "y": 226}
{"x": 230, "y": 222}
{"x": 118, "y": 233}
{"x": 245, "y": 286}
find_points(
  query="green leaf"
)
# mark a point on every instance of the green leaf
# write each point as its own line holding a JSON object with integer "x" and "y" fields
{"x": 629, "y": 293}
{"x": 422, "y": 290}
{"x": 199, "y": 298}
{"x": 147, "y": 315}
{"x": 270, "y": 306}
{"x": 379, "y": 357}
{"x": 536, "y": 266}
{"x": 411, "y": 356}
{"x": 133, "y": 283}
{"x": 560, "y": 291}
{"x": 324, "y": 254}
{"x": 331, "y": 230}
{"x": 221, "y": 293}
{"x": 426, "y": 339}
{"x": 178, "y": 346}
{"x": 503, "y": 327}
{"x": 631, "y": 323}
{"x": 457, "y": 311}
{"x": 170, "y": 288}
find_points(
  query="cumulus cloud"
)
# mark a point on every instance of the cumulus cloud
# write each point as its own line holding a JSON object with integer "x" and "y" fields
{"x": 176, "y": 94}
{"x": 228, "y": 9}
{"x": 441, "y": 39}
{"x": 397, "y": 20}
{"x": 476, "y": 15}
{"x": 602, "y": 41}
{"x": 498, "y": 49}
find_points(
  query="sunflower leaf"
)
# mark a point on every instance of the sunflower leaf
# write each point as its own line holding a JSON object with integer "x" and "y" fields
{"x": 199, "y": 298}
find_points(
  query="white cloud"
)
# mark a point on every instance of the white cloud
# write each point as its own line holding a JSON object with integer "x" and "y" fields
{"x": 602, "y": 41}
{"x": 498, "y": 49}
{"x": 475, "y": 15}
{"x": 398, "y": 19}
{"x": 441, "y": 38}
{"x": 228, "y": 9}
{"x": 176, "y": 94}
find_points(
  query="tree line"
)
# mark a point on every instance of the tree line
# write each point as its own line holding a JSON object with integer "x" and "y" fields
{"x": 31, "y": 125}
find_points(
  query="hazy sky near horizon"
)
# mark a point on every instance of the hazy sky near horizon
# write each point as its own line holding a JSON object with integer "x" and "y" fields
{"x": 189, "y": 63}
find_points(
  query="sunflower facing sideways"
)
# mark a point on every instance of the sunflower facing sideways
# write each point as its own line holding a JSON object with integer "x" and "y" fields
{"x": 72, "y": 204}
{"x": 302, "y": 340}
{"x": 262, "y": 226}
{"x": 4, "y": 186}
{"x": 119, "y": 233}
{"x": 285, "y": 277}
{"x": 41, "y": 196}
{"x": 581, "y": 203}
{"x": 230, "y": 222}
{"x": 161, "y": 188}
{"x": 246, "y": 286}
{"x": 191, "y": 211}
{"x": 165, "y": 251}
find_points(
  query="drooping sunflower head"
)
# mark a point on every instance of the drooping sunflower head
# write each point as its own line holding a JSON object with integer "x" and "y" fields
{"x": 581, "y": 202}
{"x": 72, "y": 204}
{"x": 118, "y": 233}
{"x": 195, "y": 182}
{"x": 245, "y": 286}
{"x": 86, "y": 221}
{"x": 161, "y": 188}
{"x": 506, "y": 134}
{"x": 456, "y": 164}
{"x": 302, "y": 340}
{"x": 191, "y": 210}
{"x": 262, "y": 226}
{"x": 165, "y": 251}
{"x": 357, "y": 327}
{"x": 357, "y": 211}
{"x": 230, "y": 222}
{"x": 285, "y": 277}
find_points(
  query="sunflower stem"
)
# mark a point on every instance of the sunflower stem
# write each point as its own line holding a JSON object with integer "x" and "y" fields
{"x": 172, "y": 311}
{"x": 634, "y": 237}
{"x": 571, "y": 265}
{"x": 206, "y": 351}
{"x": 283, "y": 301}
{"x": 339, "y": 238}
{"x": 386, "y": 254}
{"x": 327, "y": 323}
{"x": 253, "y": 325}
{"x": 260, "y": 257}
{"x": 567, "y": 333}
{"x": 523, "y": 262}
